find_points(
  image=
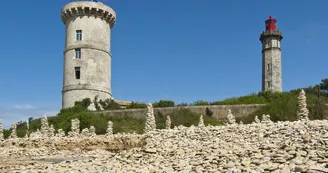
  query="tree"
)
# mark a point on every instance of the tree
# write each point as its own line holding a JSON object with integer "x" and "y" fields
{"x": 324, "y": 85}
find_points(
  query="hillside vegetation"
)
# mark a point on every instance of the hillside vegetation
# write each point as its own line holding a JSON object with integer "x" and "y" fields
{"x": 280, "y": 106}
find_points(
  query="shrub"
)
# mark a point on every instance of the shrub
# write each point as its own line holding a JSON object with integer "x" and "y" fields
{"x": 136, "y": 105}
{"x": 163, "y": 103}
{"x": 183, "y": 117}
{"x": 201, "y": 103}
{"x": 109, "y": 104}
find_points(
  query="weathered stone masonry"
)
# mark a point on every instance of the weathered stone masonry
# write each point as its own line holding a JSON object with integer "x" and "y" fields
{"x": 271, "y": 57}
{"x": 87, "y": 57}
{"x": 218, "y": 111}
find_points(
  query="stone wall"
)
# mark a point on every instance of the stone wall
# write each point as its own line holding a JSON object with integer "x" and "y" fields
{"x": 219, "y": 111}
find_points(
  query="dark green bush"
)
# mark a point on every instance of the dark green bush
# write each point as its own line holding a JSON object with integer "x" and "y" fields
{"x": 109, "y": 104}
{"x": 183, "y": 117}
{"x": 200, "y": 103}
{"x": 164, "y": 103}
{"x": 6, "y": 133}
{"x": 136, "y": 105}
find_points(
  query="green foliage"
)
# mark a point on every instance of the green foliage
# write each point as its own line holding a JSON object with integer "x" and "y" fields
{"x": 84, "y": 104}
{"x": 95, "y": 102}
{"x": 21, "y": 133}
{"x": 284, "y": 106}
{"x": 324, "y": 86}
{"x": 124, "y": 123}
{"x": 6, "y": 133}
{"x": 182, "y": 104}
{"x": 201, "y": 103}
{"x": 183, "y": 117}
{"x": 109, "y": 104}
{"x": 164, "y": 103}
{"x": 136, "y": 105}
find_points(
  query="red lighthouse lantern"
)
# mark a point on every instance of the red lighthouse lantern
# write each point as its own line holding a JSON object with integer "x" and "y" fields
{"x": 270, "y": 24}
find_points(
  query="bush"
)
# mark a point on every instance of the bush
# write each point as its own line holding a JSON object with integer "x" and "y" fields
{"x": 201, "y": 103}
{"x": 109, "y": 104}
{"x": 163, "y": 103}
{"x": 284, "y": 107}
{"x": 183, "y": 117}
{"x": 136, "y": 105}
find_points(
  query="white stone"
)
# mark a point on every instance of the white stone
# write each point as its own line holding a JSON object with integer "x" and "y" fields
{"x": 1, "y": 131}
{"x": 201, "y": 121}
{"x": 231, "y": 118}
{"x": 150, "y": 119}
{"x": 109, "y": 130}
{"x": 303, "y": 112}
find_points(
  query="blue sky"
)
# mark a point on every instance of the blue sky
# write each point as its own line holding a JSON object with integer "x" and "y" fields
{"x": 184, "y": 50}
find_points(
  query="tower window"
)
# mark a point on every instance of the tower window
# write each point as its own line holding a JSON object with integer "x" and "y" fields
{"x": 268, "y": 84}
{"x": 78, "y": 53}
{"x": 77, "y": 72}
{"x": 78, "y": 34}
{"x": 269, "y": 67}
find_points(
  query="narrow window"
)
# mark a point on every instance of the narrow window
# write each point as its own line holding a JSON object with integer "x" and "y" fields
{"x": 269, "y": 84}
{"x": 78, "y": 34}
{"x": 268, "y": 67}
{"x": 78, "y": 53}
{"x": 77, "y": 72}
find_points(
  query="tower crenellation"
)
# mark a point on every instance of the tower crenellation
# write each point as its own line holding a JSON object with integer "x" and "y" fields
{"x": 87, "y": 56}
{"x": 271, "y": 57}
{"x": 87, "y": 8}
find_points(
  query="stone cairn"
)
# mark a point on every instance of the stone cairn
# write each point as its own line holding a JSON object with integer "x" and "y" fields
{"x": 1, "y": 131}
{"x": 85, "y": 132}
{"x": 13, "y": 134}
{"x": 109, "y": 130}
{"x": 92, "y": 131}
{"x": 303, "y": 112}
{"x": 257, "y": 120}
{"x": 201, "y": 121}
{"x": 150, "y": 119}
{"x": 60, "y": 133}
{"x": 52, "y": 130}
{"x": 75, "y": 128}
{"x": 266, "y": 119}
{"x": 231, "y": 118}
{"x": 28, "y": 129}
{"x": 44, "y": 126}
{"x": 168, "y": 122}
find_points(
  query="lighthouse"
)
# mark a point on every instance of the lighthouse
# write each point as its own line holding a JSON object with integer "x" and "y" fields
{"x": 271, "y": 57}
{"x": 87, "y": 55}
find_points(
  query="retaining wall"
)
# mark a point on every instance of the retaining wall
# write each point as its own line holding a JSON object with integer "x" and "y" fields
{"x": 218, "y": 111}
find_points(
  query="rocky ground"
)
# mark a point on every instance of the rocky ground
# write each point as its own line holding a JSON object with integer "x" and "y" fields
{"x": 300, "y": 146}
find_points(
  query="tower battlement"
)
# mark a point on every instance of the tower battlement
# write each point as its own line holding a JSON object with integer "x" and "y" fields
{"x": 87, "y": 8}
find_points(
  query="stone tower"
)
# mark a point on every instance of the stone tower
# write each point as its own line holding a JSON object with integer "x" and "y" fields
{"x": 271, "y": 57}
{"x": 87, "y": 56}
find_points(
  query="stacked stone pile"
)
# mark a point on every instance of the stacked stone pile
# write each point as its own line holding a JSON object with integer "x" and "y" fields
{"x": 150, "y": 119}
{"x": 168, "y": 122}
{"x": 13, "y": 133}
{"x": 44, "y": 126}
{"x": 109, "y": 130}
{"x": 201, "y": 121}
{"x": 75, "y": 128}
{"x": 1, "y": 131}
{"x": 303, "y": 113}
{"x": 231, "y": 118}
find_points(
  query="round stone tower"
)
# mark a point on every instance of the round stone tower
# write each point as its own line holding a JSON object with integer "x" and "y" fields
{"x": 87, "y": 57}
{"x": 271, "y": 57}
